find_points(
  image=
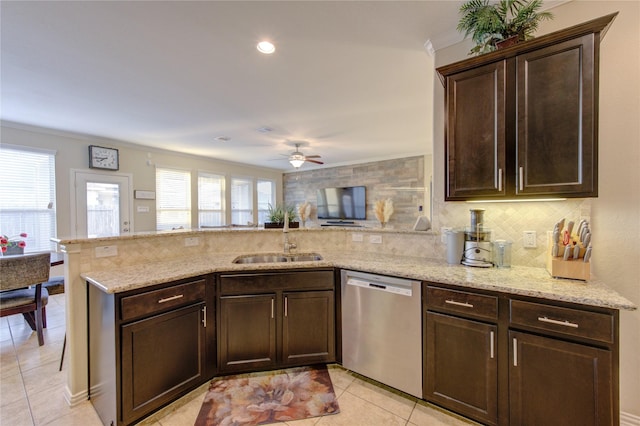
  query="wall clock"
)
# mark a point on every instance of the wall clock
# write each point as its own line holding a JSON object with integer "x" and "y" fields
{"x": 103, "y": 158}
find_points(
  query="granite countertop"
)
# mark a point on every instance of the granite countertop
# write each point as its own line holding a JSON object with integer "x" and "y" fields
{"x": 520, "y": 280}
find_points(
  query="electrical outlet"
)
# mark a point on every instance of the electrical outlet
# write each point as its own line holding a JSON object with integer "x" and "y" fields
{"x": 529, "y": 239}
{"x": 443, "y": 233}
{"x": 358, "y": 238}
{"x": 375, "y": 239}
{"x": 191, "y": 241}
{"x": 106, "y": 251}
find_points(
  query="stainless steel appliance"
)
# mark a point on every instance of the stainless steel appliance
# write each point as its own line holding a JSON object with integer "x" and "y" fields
{"x": 477, "y": 242}
{"x": 381, "y": 329}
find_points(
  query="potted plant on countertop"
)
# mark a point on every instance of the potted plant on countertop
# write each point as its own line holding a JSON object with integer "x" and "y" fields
{"x": 497, "y": 25}
{"x": 275, "y": 217}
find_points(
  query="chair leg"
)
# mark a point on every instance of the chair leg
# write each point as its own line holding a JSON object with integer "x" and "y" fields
{"x": 44, "y": 317}
{"x": 39, "y": 311}
{"x": 30, "y": 318}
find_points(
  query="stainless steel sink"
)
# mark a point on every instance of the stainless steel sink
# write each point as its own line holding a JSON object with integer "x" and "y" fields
{"x": 277, "y": 258}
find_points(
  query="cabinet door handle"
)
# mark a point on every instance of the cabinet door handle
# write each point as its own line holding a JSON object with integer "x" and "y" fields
{"x": 515, "y": 352}
{"x": 464, "y": 304}
{"x": 169, "y": 299}
{"x": 286, "y": 306}
{"x": 491, "y": 338}
{"x": 558, "y": 322}
{"x": 521, "y": 178}
{"x": 272, "y": 308}
{"x": 204, "y": 316}
{"x": 500, "y": 180}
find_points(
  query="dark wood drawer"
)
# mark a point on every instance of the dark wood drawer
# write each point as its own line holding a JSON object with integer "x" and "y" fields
{"x": 462, "y": 302}
{"x": 567, "y": 321}
{"x": 155, "y": 301}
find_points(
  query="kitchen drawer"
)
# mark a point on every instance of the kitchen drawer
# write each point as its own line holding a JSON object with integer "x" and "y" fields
{"x": 155, "y": 301}
{"x": 462, "y": 302}
{"x": 567, "y": 321}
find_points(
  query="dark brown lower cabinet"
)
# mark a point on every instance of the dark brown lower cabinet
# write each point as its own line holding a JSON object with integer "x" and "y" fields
{"x": 553, "y": 382}
{"x": 276, "y": 319}
{"x": 162, "y": 356}
{"x": 461, "y": 366}
{"x": 308, "y": 325}
{"x": 148, "y": 347}
{"x": 247, "y": 332}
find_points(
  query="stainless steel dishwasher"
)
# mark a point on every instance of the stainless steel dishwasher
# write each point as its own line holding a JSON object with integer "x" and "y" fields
{"x": 381, "y": 329}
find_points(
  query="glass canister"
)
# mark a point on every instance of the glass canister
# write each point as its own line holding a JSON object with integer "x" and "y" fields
{"x": 502, "y": 253}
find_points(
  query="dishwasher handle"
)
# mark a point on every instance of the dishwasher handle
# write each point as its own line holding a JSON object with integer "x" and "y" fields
{"x": 388, "y": 288}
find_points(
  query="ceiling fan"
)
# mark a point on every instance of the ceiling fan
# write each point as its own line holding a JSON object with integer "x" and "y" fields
{"x": 297, "y": 158}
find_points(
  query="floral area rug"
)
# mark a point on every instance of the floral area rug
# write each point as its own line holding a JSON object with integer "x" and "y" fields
{"x": 268, "y": 397}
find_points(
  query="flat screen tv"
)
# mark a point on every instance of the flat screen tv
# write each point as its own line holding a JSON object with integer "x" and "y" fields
{"x": 347, "y": 203}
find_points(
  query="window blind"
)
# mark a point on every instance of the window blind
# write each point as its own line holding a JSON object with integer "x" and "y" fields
{"x": 241, "y": 201}
{"x": 173, "y": 198}
{"x": 211, "y": 210}
{"x": 28, "y": 196}
{"x": 266, "y": 198}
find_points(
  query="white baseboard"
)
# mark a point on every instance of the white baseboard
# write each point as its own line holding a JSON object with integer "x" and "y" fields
{"x": 74, "y": 400}
{"x": 627, "y": 419}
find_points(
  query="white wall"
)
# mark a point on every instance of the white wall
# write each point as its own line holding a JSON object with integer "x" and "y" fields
{"x": 615, "y": 214}
{"x": 72, "y": 153}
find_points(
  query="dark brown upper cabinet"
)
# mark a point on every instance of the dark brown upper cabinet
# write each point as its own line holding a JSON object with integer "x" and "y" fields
{"x": 522, "y": 122}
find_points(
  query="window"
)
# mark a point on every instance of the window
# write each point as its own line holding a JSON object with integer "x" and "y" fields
{"x": 28, "y": 195}
{"x": 241, "y": 201}
{"x": 210, "y": 200}
{"x": 266, "y": 197}
{"x": 173, "y": 198}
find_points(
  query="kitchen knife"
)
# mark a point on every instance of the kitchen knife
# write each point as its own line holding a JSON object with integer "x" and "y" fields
{"x": 561, "y": 224}
{"x": 580, "y": 226}
{"x": 587, "y": 239}
{"x": 570, "y": 228}
{"x": 567, "y": 253}
{"x": 585, "y": 230}
{"x": 554, "y": 249}
{"x": 576, "y": 251}
{"x": 587, "y": 254}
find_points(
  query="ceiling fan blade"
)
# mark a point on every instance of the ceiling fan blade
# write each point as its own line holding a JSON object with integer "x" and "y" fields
{"x": 312, "y": 156}
{"x": 313, "y": 161}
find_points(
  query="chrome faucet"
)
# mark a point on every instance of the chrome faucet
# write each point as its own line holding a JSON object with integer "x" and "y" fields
{"x": 287, "y": 245}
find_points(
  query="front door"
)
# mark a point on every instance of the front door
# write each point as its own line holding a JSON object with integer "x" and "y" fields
{"x": 101, "y": 203}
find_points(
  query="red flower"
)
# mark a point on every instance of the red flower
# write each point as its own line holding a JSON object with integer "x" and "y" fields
{"x": 23, "y": 235}
{"x": 3, "y": 240}
{"x": 4, "y": 249}
{"x": 22, "y": 244}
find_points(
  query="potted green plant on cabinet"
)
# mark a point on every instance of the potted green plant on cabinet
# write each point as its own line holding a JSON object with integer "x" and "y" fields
{"x": 497, "y": 25}
{"x": 275, "y": 217}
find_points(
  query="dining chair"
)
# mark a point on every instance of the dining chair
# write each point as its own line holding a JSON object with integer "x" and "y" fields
{"x": 21, "y": 290}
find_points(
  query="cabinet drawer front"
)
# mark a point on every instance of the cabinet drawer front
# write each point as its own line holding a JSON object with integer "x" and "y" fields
{"x": 257, "y": 283}
{"x": 160, "y": 300}
{"x": 462, "y": 302}
{"x": 567, "y": 321}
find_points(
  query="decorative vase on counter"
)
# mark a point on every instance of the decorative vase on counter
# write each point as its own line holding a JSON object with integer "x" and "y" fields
{"x": 13, "y": 250}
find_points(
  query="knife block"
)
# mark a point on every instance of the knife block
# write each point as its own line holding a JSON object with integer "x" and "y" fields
{"x": 575, "y": 269}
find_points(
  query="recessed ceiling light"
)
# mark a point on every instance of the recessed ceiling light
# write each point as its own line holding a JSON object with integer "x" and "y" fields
{"x": 265, "y": 129}
{"x": 222, "y": 138}
{"x": 266, "y": 47}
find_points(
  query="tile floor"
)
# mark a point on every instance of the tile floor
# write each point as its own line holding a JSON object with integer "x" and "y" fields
{"x": 31, "y": 388}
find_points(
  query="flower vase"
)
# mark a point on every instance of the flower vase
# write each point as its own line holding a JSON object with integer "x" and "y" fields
{"x": 14, "y": 250}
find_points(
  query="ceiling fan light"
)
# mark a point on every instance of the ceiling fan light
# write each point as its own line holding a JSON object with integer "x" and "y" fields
{"x": 266, "y": 47}
{"x": 296, "y": 160}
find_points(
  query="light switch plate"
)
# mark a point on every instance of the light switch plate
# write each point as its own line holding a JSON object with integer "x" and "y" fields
{"x": 529, "y": 239}
{"x": 106, "y": 251}
{"x": 375, "y": 239}
{"x": 191, "y": 241}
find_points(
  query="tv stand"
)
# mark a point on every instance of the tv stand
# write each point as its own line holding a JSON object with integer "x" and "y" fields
{"x": 350, "y": 223}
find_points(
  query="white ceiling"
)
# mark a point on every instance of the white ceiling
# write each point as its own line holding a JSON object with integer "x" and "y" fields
{"x": 352, "y": 78}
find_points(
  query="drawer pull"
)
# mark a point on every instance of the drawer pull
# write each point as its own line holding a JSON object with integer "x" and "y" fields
{"x": 515, "y": 352}
{"x": 556, "y": 322}
{"x": 286, "y": 306}
{"x": 204, "y": 316}
{"x": 169, "y": 299}
{"x": 464, "y": 304}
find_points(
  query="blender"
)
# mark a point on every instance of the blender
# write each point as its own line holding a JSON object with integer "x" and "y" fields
{"x": 477, "y": 242}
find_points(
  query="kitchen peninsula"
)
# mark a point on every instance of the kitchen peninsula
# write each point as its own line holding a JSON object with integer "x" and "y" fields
{"x": 149, "y": 261}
